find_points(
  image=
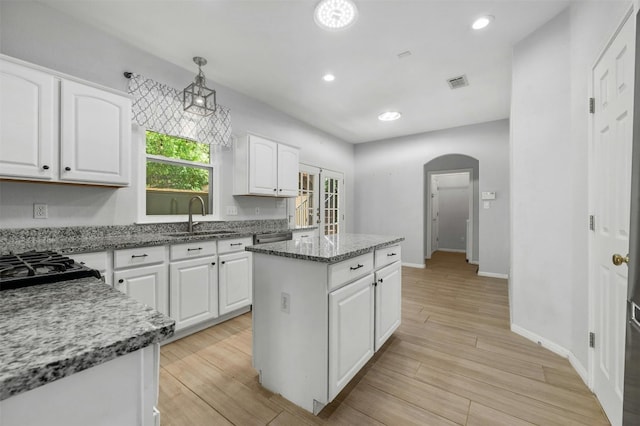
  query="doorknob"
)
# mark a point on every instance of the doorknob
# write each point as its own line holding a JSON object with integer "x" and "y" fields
{"x": 618, "y": 260}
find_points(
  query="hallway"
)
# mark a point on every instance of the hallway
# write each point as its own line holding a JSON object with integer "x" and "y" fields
{"x": 452, "y": 361}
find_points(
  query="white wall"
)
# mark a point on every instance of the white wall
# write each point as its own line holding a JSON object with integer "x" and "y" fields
{"x": 389, "y": 187}
{"x": 549, "y": 212}
{"x": 41, "y": 35}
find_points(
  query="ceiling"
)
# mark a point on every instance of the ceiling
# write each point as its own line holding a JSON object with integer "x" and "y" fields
{"x": 272, "y": 50}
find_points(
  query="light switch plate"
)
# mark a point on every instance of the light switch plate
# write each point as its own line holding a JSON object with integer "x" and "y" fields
{"x": 488, "y": 195}
{"x": 232, "y": 211}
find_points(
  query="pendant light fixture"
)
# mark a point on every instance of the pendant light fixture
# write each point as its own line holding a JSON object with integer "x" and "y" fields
{"x": 197, "y": 97}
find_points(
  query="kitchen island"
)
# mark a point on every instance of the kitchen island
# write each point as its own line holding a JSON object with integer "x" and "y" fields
{"x": 78, "y": 352}
{"x": 322, "y": 307}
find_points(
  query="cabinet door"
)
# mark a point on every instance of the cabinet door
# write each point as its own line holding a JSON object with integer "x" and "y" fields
{"x": 28, "y": 122}
{"x": 95, "y": 135}
{"x": 263, "y": 166}
{"x": 147, "y": 285}
{"x": 194, "y": 291}
{"x": 288, "y": 160}
{"x": 350, "y": 332}
{"x": 388, "y": 302}
{"x": 235, "y": 281}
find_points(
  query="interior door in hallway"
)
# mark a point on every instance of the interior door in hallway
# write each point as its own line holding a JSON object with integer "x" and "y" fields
{"x": 435, "y": 213}
{"x": 610, "y": 151}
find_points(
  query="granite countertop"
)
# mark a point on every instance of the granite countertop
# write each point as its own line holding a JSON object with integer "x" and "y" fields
{"x": 328, "y": 248}
{"x": 84, "y": 242}
{"x": 51, "y": 331}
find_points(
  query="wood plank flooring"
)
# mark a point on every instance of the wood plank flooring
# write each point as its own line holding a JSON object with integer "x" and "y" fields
{"x": 453, "y": 361}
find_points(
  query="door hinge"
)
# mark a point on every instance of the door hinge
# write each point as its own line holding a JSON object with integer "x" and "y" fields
{"x": 592, "y": 223}
{"x": 592, "y": 105}
{"x": 592, "y": 339}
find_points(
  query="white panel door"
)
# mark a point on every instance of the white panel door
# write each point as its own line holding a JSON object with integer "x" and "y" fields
{"x": 95, "y": 135}
{"x": 288, "y": 158}
{"x": 235, "y": 281}
{"x": 263, "y": 166}
{"x": 147, "y": 285}
{"x": 351, "y": 322}
{"x": 388, "y": 302}
{"x": 28, "y": 112}
{"x": 613, "y": 78}
{"x": 194, "y": 291}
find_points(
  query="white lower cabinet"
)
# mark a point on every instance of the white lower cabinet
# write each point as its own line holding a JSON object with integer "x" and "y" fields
{"x": 388, "y": 298}
{"x": 100, "y": 261}
{"x": 316, "y": 325}
{"x": 351, "y": 313}
{"x": 194, "y": 291}
{"x": 147, "y": 284}
{"x": 235, "y": 281}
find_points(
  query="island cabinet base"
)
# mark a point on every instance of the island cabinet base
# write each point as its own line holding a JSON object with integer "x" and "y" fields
{"x": 123, "y": 392}
{"x": 312, "y": 333}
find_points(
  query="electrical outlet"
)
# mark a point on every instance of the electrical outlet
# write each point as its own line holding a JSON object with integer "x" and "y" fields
{"x": 285, "y": 302}
{"x": 232, "y": 211}
{"x": 257, "y": 210}
{"x": 40, "y": 211}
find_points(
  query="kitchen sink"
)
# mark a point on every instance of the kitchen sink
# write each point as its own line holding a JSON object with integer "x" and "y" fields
{"x": 200, "y": 233}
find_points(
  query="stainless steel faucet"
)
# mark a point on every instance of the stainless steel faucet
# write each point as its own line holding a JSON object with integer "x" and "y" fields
{"x": 190, "y": 222}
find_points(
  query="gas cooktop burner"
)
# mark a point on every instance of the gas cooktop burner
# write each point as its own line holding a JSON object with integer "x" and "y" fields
{"x": 32, "y": 268}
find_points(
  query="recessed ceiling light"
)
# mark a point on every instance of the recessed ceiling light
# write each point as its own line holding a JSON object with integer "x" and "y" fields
{"x": 335, "y": 14}
{"x": 328, "y": 77}
{"x": 482, "y": 22}
{"x": 389, "y": 116}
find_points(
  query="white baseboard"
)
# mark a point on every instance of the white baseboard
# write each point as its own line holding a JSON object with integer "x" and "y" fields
{"x": 474, "y": 262}
{"x": 555, "y": 348}
{"x": 580, "y": 369}
{"x": 413, "y": 265}
{"x": 451, "y": 250}
{"x": 492, "y": 275}
{"x": 548, "y": 344}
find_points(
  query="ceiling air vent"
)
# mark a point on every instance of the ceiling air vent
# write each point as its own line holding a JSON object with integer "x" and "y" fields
{"x": 458, "y": 82}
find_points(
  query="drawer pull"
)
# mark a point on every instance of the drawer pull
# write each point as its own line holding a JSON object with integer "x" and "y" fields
{"x": 213, "y": 263}
{"x": 304, "y": 236}
{"x": 222, "y": 262}
{"x": 357, "y": 267}
{"x": 45, "y": 167}
{"x": 120, "y": 280}
{"x": 235, "y": 244}
{"x": 380, "y": 280}
{"x": 139, "y": 255}
{"x": 390, "y": 254}
{"x": 194, "y": 249}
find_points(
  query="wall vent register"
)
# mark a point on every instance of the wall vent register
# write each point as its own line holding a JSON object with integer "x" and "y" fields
{"x": 40, "y": 267}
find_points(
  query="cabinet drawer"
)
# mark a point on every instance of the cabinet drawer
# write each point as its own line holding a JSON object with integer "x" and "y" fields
{"x": 98, "y": 260}
{"x": 305, "y": 234}
{"x": 342, "y": 272}
{"x": 236, "y": 244}
{"x": 194, "y": 249}
{"x": 138, "y": 256}
{"x": 387, "y": 255}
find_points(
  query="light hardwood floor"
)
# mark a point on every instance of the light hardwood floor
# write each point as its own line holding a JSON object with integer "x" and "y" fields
{"x": 452, "y": 361}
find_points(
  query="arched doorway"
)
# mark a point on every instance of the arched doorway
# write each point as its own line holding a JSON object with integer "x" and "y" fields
{"x": 448, "y": 164}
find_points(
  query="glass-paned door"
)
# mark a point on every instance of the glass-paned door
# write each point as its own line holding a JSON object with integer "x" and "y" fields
{"x": 307, "y": 212}
{"x": 320, "y": 199}
{"x": 332, "y": 203}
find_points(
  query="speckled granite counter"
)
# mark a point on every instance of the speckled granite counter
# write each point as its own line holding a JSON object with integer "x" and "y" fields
{"x": 51, "y": 331}
{"x": 83, "y": 239}
{"x": 329, "y": 248}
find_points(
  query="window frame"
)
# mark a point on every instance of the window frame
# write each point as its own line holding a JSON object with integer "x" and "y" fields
{"x": 213, "y": 211}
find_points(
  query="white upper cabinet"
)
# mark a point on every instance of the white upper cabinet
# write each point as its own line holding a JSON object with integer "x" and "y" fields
{"x": 57, "y": 129}
{"x": 28, "y": 111}
{"x": 264, "y": 167}
{"x": 95, "y": 134}
{"x": 288, "y": 160}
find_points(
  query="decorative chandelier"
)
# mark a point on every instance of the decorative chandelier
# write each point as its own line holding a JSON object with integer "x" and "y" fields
{"x": 197, "y": 97}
